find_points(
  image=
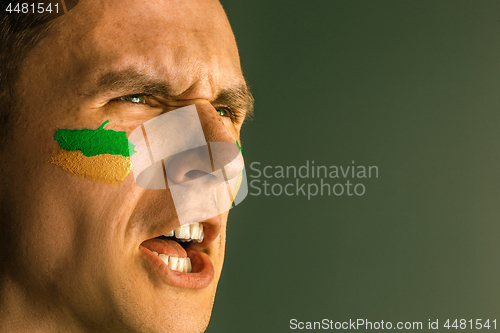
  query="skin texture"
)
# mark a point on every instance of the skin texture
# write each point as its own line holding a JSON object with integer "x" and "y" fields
{"x": 69, "y": 246}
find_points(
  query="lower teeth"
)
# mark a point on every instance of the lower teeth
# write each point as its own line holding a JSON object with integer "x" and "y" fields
{"x": 182, "y": 265}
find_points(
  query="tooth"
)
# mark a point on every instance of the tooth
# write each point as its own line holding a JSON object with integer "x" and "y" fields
{"x": 155, "y": 252}
{"x": 173, "y": 262}
{"x": 202, "y": 234}
{"x": 195, "y": 230}
{"x": 170, "y": 234}
{"x": 186, "y": 265}
{"x": 179, "y": 265}
{"x": 182, "y": 232}
{"x": 164, "y": 258}
{"x": 182, "y": 267}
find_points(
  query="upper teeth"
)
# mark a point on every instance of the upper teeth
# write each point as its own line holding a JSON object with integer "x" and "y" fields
{"x": 188, "y": 232}
{"x": 182, "y": 265}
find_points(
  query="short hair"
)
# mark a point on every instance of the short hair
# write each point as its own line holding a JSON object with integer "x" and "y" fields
{"x": 19, "y": 34}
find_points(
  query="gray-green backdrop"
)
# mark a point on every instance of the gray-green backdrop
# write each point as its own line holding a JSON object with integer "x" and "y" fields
{"x": 412, "y": 87}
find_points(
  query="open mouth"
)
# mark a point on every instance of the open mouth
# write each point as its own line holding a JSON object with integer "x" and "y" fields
{"x": 180, "y": 256}
{"x": 183, "y": 236}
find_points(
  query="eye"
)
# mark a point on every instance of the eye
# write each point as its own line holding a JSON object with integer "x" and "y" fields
{"x": 223, "y": 111}
{"x": 135, "y": 99}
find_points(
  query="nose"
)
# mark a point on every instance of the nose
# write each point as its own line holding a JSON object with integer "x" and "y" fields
{"x": 218, "y": 161}
{"x": 192, "y": 154}
{"x": 190, "y": 165}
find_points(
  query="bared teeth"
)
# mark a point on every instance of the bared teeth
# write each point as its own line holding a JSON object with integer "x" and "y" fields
{"x": 182, "y": 265}
{"x": 190, "y": 232}
{"x": 183, "y": 232}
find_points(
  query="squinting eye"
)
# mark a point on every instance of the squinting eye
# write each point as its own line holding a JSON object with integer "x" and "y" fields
{"x": 223, "y": 112}
{"x": 136, "y": 99}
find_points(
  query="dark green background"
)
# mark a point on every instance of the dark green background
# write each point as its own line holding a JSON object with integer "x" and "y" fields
{"x": 410, "y": 86}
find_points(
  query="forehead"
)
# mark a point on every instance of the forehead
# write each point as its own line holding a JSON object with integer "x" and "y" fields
{"x": 182, "y": 42}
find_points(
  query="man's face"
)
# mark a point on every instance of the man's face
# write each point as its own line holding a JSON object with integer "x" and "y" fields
{"x": 74, "y": 245}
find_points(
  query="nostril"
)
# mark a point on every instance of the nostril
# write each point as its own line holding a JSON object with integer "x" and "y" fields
{"x": 193, "y": 174}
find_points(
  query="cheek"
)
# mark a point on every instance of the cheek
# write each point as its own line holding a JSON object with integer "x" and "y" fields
{"x": 72, "y": 235}
{"x": 106, "y": 168}
{"x": 218, "y": 250}
{"x": 125, "y": 117}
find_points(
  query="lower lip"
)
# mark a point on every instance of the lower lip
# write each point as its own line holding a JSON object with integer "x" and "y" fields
{"x": 201, "y": 276}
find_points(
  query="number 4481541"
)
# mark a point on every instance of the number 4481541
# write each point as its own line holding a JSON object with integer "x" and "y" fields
{"x": 471, "y": 324}
{"x": 26, "y": 8}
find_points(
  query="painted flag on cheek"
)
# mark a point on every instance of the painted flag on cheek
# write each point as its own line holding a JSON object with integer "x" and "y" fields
{"x": 205, "y": 179}
{"x": 100, "y": 155}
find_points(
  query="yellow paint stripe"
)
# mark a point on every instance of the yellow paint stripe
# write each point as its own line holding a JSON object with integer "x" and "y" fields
{"x": 106, "y": 168}
{"x": 237, "y": 188}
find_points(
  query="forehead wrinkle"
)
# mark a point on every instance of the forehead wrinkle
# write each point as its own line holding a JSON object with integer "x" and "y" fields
{"x": 193, "y": 69}
{"x": 167, "y": 56}
{"x": 180, "y": 47}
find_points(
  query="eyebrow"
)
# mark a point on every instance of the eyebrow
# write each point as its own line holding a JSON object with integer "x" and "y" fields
{"x": 240, "y": 99}
{"x": 129, "y": 81}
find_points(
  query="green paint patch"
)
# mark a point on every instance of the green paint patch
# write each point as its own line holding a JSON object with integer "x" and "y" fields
{"x": 241, "y": 149}
{"x": 95, "y": 142}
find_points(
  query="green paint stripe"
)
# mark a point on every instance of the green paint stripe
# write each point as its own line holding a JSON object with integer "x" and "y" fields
{"x": 241, "y": 149}
{"x": 95, "y": 142}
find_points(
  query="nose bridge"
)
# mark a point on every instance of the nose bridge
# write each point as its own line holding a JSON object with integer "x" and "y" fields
{"x": 213, "y": 127}
{"x": 224, "y": 153}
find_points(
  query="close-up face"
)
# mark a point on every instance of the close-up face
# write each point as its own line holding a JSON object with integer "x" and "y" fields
{"x": 82, "y": 246}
